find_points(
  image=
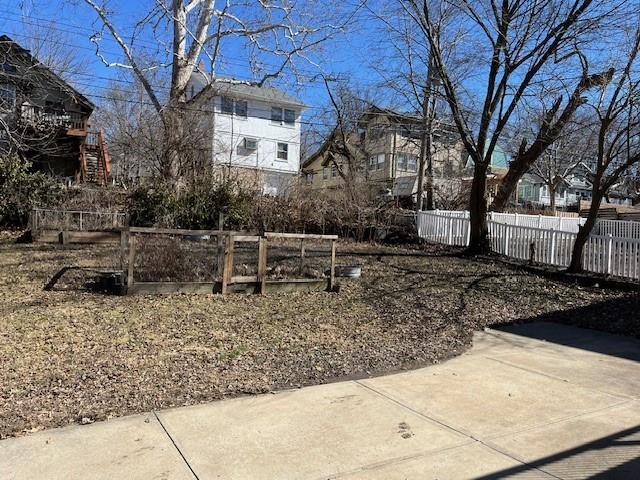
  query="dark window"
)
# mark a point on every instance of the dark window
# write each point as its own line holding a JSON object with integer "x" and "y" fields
{"x": 227, "y": 105}
{"x": 412, "y": 163}
{"x": 241, "y": 108}
{"x": 289, "y": 117}
{"x": 276, "y": 114}
{"x": 7, "y": 96}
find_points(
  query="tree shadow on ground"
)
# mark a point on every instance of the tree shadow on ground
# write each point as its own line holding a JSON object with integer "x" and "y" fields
{"x": 615, "y": 456}
{"x": 618, "y": 316}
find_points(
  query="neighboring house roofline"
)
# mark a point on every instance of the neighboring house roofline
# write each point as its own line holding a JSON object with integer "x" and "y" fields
{"x": 245, "y": 90}
{"x": 71, "y": 91}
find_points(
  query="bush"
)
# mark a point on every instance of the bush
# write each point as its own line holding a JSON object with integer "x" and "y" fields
{"x": 22, "y": 190}
{"x": 194, "y": 206}
{"x": 152, "y": 204}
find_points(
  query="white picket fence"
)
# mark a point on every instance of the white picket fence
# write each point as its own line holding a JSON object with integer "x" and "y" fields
{"x": 603, "y": 254}
{"x": 617, "y": 228}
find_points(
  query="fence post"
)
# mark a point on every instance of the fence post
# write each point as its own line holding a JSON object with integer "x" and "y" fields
{"x": 132, "y": 257}
{"x": 81, "y": 221}
{"x": 262, "y": 265}
{"x": 468, "y": 239}
{"x": 516, "y": 219}
{"x": 553, "y": 247}
{"x": 608, "y": 252}
{"x": 539, "y": 221}
{"x": 332, "y": 276}
{"x": 450, "y": 232}
{"x": 559, "y": 223}
{"x": 507, "y": 232}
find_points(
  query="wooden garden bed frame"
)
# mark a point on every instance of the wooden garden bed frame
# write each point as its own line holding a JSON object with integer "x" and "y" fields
{"x": 227, "y": 282}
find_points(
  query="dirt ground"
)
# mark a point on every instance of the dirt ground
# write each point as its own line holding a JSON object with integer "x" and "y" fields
{"x": 71, "y": 355}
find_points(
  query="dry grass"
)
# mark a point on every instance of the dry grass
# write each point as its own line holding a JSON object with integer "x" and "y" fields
{"x": 68, "y": 354}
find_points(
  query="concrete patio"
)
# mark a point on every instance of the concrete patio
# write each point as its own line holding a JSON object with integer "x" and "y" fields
{"x": 532, "y": 401}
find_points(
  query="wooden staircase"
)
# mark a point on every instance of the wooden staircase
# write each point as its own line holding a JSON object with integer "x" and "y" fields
{"x": 94, "y": 160}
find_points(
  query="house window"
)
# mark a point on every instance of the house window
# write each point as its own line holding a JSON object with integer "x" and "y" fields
{"x": 325, "y": 173}
{"x": 7, "y": 96}
{"x": 380, "y": 161}
{"x": 334, "y": 170}
{"x": 289, "y": 117}
{"x": 241, "y": 108}
{"x": 283, "y": 116}
{"x": 309, "y": 177}
{"x": 372, "y": 163}
{"x": 226, "y": 105}
{"x": 412, "y": 163}
{"x": 276, "y": 114}
{"x": 402, "y": 161}
{"x": 283, "y": 151}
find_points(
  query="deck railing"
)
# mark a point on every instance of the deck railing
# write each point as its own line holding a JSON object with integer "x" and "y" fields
{"x": 37, "y": 116}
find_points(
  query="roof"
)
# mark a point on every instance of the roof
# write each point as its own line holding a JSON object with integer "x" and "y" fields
{"x": 243, "y": 89}
{"x": 392, "y": 115}
{"x": 499, "y": 159}
{"x": 48, "y": 73}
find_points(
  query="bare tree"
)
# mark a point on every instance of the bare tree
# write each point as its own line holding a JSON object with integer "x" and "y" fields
{"x": 514, "y": 44}
{"x": 277, "y": 35}
{"x": 617, "y": 133}
{"x": 557, "y": 165}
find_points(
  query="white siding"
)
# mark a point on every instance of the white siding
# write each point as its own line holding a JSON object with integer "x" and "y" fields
{"x": 231, "y": 130}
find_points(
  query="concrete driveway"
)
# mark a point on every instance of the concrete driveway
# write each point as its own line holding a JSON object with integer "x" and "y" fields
{"x": 533, "y": 401}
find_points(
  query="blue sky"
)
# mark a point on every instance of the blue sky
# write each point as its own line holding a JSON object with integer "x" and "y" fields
{"x": 76, "y": 22}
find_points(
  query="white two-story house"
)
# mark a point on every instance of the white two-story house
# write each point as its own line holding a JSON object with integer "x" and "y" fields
{"x": 253, "y": 129}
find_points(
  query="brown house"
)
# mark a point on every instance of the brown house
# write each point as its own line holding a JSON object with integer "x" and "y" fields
{"x": 46, "y": 121}
{"x": 388, "y": 146}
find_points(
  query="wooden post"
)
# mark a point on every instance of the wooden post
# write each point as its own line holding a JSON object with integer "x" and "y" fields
{"x": 220, "y": 255}
{"x": 80, "y": 221}
{"x": 262, "y": 265}
{"x": 332, "y": 279}
{"x": 123, "y": 248}
{"x": 132, "y": 257}
{"x": 302, "y": 253}
{"x": 227, "y": 272}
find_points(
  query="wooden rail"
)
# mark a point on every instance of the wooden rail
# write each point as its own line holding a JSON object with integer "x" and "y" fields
{"x": 227, "y": 282}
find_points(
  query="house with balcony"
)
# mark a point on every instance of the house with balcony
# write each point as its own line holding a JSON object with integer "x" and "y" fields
{"x": 251, "y": 130}
{"x": 46, "y": 121}
{"x": 385, "y": 154}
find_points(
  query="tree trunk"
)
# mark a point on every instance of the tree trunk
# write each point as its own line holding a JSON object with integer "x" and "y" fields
{"x": 583, "y": 235}
{"x": 552, "y": 198}
{"x": 425, "y": 152}
{"x": 509, "y": 183}
{"x": 479, "y": 239}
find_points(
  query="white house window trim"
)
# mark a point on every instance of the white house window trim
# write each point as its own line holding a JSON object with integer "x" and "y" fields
{"x": 229, "y": 106}
{"x": 283, "y": 116}
{"x": 282, "y": 152}
{"x": 325, "y": 173}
